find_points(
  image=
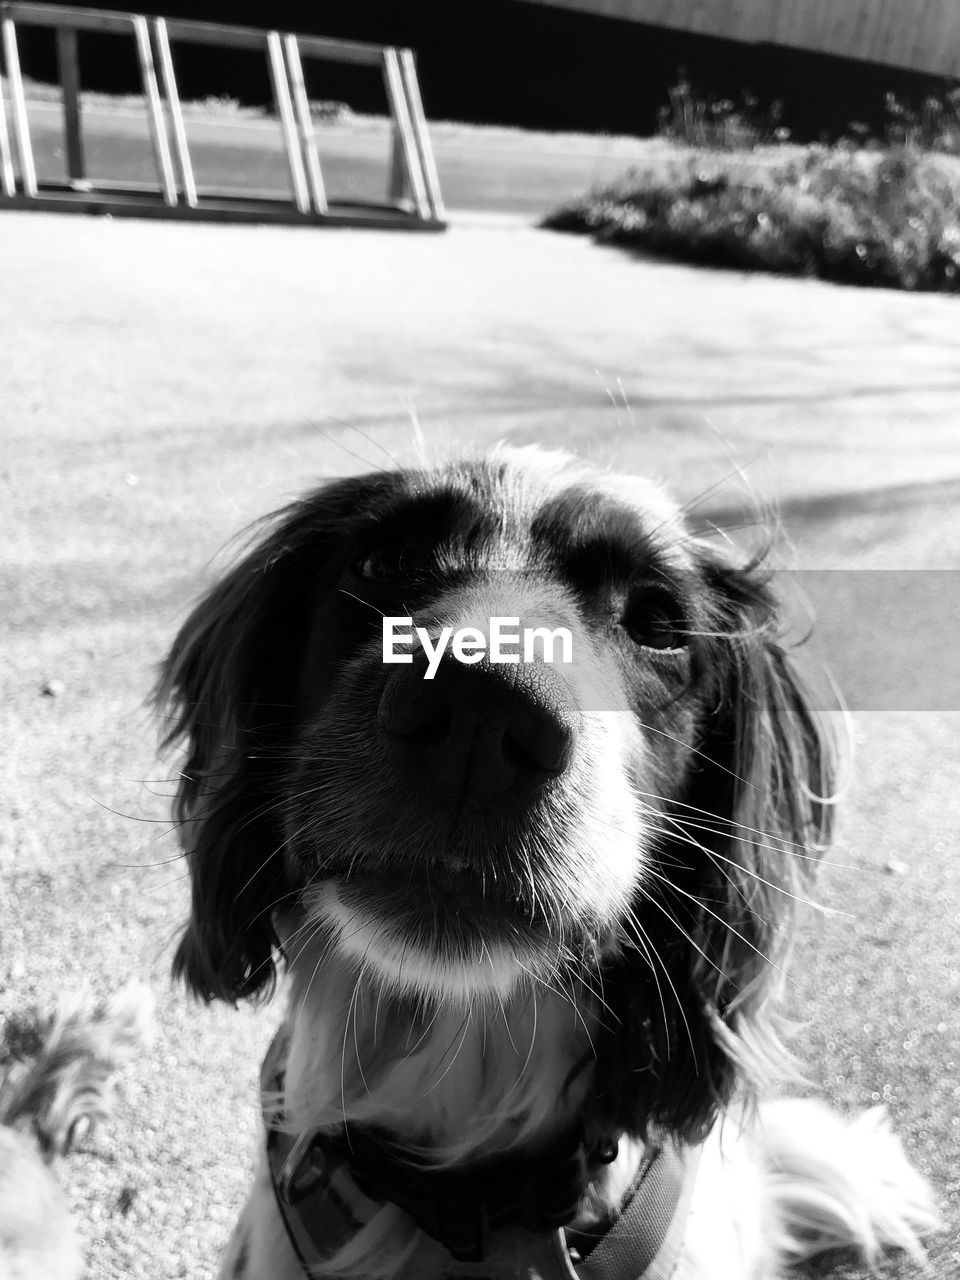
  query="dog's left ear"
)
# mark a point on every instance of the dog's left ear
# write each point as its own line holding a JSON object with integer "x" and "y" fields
{"x": 739, "y": 848}
{"x": 757, "y": 812}
{"x": 763, "y": 731}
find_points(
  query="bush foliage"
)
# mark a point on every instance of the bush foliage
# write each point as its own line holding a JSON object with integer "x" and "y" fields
{"x": 719, "y": 123}
{"x": 889, "y": 217}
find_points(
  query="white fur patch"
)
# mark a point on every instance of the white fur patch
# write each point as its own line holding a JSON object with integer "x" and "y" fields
{"x": 403, "y": 967}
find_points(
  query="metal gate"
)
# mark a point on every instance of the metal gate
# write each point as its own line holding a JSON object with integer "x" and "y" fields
{"x": 412, "y": 191}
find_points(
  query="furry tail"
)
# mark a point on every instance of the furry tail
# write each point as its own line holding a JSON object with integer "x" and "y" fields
{"x": 837, "y": 1184}
{"x": 67, "y": 1087}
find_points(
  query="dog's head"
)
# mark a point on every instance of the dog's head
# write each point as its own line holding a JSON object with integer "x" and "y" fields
{"x": 640, "y": 818}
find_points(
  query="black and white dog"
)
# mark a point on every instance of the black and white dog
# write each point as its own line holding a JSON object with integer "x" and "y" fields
{"x": 533, "y": 905}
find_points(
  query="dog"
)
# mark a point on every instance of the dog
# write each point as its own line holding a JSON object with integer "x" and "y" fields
{"x": 533, "y": 907}
{"x": 57, "y": 1087}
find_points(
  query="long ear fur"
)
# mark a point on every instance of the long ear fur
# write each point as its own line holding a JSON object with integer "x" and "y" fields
{"x": 228, "y": 688}
{"x": 739, "y": 851}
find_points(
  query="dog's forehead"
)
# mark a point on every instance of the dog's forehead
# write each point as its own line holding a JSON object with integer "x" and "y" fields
{"x": 526, "y": 490}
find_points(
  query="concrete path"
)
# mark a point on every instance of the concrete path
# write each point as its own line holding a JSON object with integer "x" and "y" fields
{"x": 491, "y": 329}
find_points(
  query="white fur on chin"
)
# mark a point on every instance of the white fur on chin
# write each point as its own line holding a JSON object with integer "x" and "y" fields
{"x": 405, "y": 968}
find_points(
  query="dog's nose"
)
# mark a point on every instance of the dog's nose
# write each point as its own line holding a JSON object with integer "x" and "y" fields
{"x": 489, "y": 734}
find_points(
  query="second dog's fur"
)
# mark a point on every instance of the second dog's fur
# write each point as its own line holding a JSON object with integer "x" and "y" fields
{"x": 49, "y": 1099}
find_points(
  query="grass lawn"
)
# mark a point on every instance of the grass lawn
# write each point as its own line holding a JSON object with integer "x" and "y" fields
{"x": 165, "y": 383}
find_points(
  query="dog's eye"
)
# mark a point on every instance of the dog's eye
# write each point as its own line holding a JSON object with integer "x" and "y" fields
{"x": 384, "y": 563}
{"x": 654, "y": 620}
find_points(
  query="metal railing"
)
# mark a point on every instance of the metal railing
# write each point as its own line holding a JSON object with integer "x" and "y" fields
{"x": 412, "y": 196}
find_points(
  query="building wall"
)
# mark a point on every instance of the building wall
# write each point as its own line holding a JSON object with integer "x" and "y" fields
{"x": 923, "y": 35}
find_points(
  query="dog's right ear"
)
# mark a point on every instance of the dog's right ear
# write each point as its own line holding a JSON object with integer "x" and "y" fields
{"x": 228, "y": 692}
{"x": 223, "y": 692}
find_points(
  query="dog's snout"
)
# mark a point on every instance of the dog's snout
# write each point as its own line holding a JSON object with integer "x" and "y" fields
{"x": 480, "y": 733}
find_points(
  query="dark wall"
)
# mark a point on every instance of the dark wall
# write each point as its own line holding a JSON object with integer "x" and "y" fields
{"x": 508, "y": 62}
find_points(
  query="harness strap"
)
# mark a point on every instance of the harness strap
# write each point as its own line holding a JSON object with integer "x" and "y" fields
{"x": 645, "y": 1241}
{"x": 322, "y": 1208}
{"x": 320, "y": 1205}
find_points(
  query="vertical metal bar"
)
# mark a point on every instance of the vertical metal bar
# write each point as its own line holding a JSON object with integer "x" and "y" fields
{"x": 308, "y": 140}
{"x": 397, "y": 185}
{"x": 281, "y": 95}
{"x": 158, "y": 125}
{"x": 7, "y": 180}
{"x": 168, "y": 82}
{"x": 70, "y": 84}
{"x": 408, "y": 68}
{"x": 401, "y": 115}
{"x": 18, "y": 105}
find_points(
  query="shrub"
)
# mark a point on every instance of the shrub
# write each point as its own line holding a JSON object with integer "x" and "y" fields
{"x": 719, "y": 123}
{"x": 873, "y": 218}
{"x": 933, "y": 126}
{"x": 702, "y": 120}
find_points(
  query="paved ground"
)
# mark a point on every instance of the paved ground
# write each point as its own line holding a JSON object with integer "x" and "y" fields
{"x": 491, "y": 169}
{"x": 164, "y": 383}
